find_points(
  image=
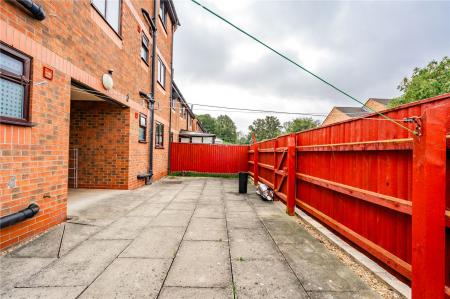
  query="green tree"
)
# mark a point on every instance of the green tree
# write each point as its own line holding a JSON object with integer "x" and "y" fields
{"x": 265, "y": 128}
{"x": 432, "y": 80}
{"x": 243, "y": 138}
{"x": 300, "y": 124}
{"x": 208, "y": 122}
{"x": 225, "y": 129}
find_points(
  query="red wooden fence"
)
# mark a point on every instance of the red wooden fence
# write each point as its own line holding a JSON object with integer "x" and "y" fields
{"x": 375, "y": 184}
{"x": 208, "y": 158}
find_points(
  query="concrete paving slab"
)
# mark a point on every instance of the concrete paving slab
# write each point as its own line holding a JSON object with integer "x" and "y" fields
{"x": 266, "y": 279}
{"x": 209, "y": 211}
{"x": 46, "y": 245}
{"x": 80, "y": 266}
{"x": 248, "y": 244}
{"x": 172, "y": 218}
{"x": 206, "y": 229}
{"x": 74, "y": 234}
{"x": 201, "y": 264}
{"x": 16, "y": 270}
{"x": 129, "y": 278}
{"x": 184, "y": 206}
{"x": 285, "y": 231}
{"x": 44, "y": 293}
{"x": 147, "y": 210}
{"x": 230, "y": 196}
{"x": 124, "y": 228}
{"x": 247, "y": 220}
{"x": 238, "y": 206}
{"x": 155, "y": 242}
{"x": 196, "y": 293}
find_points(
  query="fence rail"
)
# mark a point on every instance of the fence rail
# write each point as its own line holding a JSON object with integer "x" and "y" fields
{"x": 375, "y": 184}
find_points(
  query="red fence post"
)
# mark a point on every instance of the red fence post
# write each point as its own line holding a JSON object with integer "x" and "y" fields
{"x": 428, "y": 206}
{"x": 255, "y": 160}
{"x": 290, "y": 203}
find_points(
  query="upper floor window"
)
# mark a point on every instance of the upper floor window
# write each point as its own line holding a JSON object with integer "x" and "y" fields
{"x": 161, "y": 73}
{"x": 14, "y": 85}
{"x": 110, "y": 11}
{"x": 144, "y": 48}
{"x": 173, "y": 103}
{"x": 142, "y": 128}
{"x": 159, "y": 135}
{"x": 163, "y": 12}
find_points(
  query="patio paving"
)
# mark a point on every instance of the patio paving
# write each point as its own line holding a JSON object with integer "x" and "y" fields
{"x": 179, "y": 238}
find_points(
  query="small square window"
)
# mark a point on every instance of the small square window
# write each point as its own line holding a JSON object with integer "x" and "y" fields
{"x": 163, "y": 13}
{"x": 110, "y": 10}
{"x": 144, "y": 48}
{"x": 142, "y": 128}
{"x": 14, "y": 85}
{"x": 159, "y": 135}
{"x": 161, "y": 73}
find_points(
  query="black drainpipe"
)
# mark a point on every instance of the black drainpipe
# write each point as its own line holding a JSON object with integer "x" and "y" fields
{"x": 34, "y": 9}
{"x": 152, "y": 96}
{"x": 170, "y": 101}
{"x": 29, "y": 212}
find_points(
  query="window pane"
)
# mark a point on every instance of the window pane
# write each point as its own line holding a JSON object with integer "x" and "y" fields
{"x": 144, "y": 54}
{"x": 185, "y": 140}
{"x": 143, "y": 121}
{"x": 100, "y": 5}
{"x": 141, "y": 134}
{"x": 11, "y": 99}
{"x": 11, "y": 64}
{"x": 196, "y": 139}
{"x": 145, "y": 40}
{"x": 113, "y": 13}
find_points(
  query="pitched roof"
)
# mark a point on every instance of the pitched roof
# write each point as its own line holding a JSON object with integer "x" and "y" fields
{"x": 353, "y": 111}
{"x": 381, "y": 101}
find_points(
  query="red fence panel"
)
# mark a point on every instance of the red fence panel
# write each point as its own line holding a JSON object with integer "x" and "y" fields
{"x": 356, "y": 177}
{"x": 208, "y": 158}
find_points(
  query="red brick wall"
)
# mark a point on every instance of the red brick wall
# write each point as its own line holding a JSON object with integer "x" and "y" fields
{"x": 77, "y": 44}
{"x": 100, "y": 132}
{"x": 36, "y": 157}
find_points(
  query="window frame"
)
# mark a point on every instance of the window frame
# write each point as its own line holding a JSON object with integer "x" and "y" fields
{"x": 157, "y": 144}
{"x": 24, "y": 80}
{"x": 141, "y": 115}
{"x": 161, "y": 66}
{"x": 163, "y": 17}
{"x": 173, "y": 104}
{"x": 119, "y": 32}
{"x": 143, "y": 46}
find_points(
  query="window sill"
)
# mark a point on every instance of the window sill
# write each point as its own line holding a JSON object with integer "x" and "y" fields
{"x": 17, "y": 122}
{"x": 159, "y": 147}
{"x": 143, "y": 141}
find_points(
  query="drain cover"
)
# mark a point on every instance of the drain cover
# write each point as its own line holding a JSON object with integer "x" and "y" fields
{"x": 171, "y": 182}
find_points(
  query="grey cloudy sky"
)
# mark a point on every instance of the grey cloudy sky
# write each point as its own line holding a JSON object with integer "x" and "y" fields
{"x": 365, "y": 48}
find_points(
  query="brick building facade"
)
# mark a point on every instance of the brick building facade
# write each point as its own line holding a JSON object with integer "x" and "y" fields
{"x": 81, "y": 100}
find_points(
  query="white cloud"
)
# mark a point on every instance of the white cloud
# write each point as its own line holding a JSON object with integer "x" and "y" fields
{"x": 365, "y": 48}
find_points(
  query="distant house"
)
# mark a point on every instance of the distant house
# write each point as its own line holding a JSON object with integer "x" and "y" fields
{"x": 185, "y": 127}
{"x": 338, "y": 114}
{"x": 377, "y": 104}
{"x": 196, "y": 137}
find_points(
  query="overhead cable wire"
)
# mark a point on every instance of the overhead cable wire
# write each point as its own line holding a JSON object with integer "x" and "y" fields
{"x": 298, "y": 65}
{"x": 236, "y": 109}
